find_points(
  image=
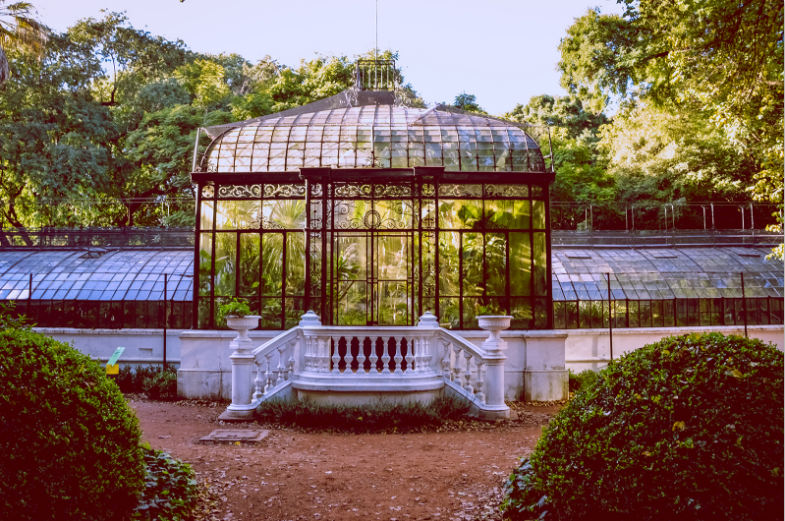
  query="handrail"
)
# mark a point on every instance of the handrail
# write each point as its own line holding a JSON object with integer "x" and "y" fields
{"x": 274, "y": 343}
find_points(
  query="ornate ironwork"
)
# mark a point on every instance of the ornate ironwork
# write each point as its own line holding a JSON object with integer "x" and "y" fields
{"x": 372, "y": 219}
{"x": 507, "y": 190}
{"x": 316, "y": 190}
{"x": 284, "y": 190}
{"x": 375, "y": 190}
{"x": 428, "y": 190}
{"x": 240, "y": 191}
{"x": 208, "y": 192}
{"x": 353, "y": 190}
{"x": 460, "y": 190}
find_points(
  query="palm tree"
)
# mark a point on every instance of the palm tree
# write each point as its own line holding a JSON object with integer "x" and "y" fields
{"x": 18, "y": 29}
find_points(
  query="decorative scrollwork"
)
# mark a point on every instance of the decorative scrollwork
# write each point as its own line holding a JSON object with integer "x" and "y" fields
{"x": 208, "y": 192}
{"x": 428, "y": 190}
{"x": 538, "y": 191}
{"x": 287, "y": 190}
{"x": 372, "y": 219}
{"x": 507, "y": 190}
{"x": 375, "y": 190}
{"x": 460, "y": 190}
{"x": 353, "y": 190}
{"x": 428, "y": 222}
{"x": 392, "y": 190}
{"x": 266, "y": 224}
{"x": 240, "y": 191}
{"x": 316, "y": 190}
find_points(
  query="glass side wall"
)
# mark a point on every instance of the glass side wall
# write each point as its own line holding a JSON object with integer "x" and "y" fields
{"x": 375, "y": 254}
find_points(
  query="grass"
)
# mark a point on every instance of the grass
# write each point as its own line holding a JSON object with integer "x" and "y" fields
{"x": 380, "y": 417}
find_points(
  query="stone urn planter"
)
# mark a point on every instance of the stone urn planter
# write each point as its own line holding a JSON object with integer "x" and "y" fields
{"x": 495, "y": 324}
{"x": 242, "y": 325}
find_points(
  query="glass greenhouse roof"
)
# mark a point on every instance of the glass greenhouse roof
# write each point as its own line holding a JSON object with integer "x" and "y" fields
{"x": 656, "y": 274}
{"x": 96, "y": 275}
{"x": 372, "y": 136}
{"x": 642, "y": 274}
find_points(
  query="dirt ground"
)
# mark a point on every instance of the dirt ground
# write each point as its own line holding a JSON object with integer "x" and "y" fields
{"x": 296, "y": 475}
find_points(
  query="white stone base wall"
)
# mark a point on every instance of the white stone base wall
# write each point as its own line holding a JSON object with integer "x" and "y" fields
{"x": 590, "y": 348}
{"x": 535, "y": 370}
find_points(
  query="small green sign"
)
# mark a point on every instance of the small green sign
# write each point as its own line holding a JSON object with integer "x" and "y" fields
{"x": 115, "y": 356}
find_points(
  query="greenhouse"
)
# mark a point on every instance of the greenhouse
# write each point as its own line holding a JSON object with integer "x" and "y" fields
{"x": 371, "y": 214}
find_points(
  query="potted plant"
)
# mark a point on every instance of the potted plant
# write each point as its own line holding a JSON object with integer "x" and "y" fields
{"x": 238, "y": 317}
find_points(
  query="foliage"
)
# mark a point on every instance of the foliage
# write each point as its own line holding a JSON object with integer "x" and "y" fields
{"x": 155, "y": 381}
{"x": 467, "y": 102}
{"x": 18, "y": 28}
{"x": 583, "y": 380}
{"x": 234, "y": 307}
{"x": 381, "y": 417}
{"x": 70, "y": 445}
{"x": 170, "y": 490}
{"x": 690, "y": 427}
{"x": 715, "y": 61}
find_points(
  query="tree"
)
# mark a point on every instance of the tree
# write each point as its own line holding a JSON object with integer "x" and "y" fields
{"x": 467, "y": 102}
{"x": 18, "y": 29}
{"x": 720, "y": 58}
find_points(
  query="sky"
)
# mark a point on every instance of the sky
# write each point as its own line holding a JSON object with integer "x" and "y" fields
{"x": 502, "y": 51}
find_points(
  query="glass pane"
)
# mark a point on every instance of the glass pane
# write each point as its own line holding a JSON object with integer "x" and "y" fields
{"x": 286, "y": 214}
{"x": 540, "y": 264}
{"x": 521, "y": 311}
{"x": 272, "y": 264}
{"x": 538, "y": 215}
{"x": 392, "y": 304}
{"x": 225, "y": 263}
{"x": 393, "y": 214}
{"x": 392, "y": 257}
{"x": 205, "y": 263}
{"x": 449, "y": 313}
{"x": 499, "y": 214}
{"x": 249, "y": 263}
{"x": 449, "y": 272}
{"x": 295, "y": 263}
{"x": 459, "y": 214}
{"x": 472, "y": 254}
{"x": 521, "y": 213}
{"x": 350, "y": 305}
{"x": 270, "y": 310}
{"x": 206, "y": 216}
{"x": 520, "y": 264}
{"x": 496, "y": 264}
{"x": 236, "y": 215}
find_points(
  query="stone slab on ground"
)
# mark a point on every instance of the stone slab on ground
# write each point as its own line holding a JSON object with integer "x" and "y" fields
{"x": 235, "y": 435}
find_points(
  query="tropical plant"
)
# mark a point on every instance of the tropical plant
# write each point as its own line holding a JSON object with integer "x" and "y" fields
{"x": 18, "y": 29}
{"x": 235, "y": 308}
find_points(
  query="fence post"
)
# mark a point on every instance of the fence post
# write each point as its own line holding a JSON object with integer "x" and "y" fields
{"x": 744, "y": 305}
{"x": 610, "y": 314}
{"x": 165, "y": 317}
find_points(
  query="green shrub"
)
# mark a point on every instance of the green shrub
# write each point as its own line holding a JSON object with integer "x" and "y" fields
{"x": 170, "y": 490}
{"x": 690, "y": 428}
{"x": 158, "y": 383}
{"x": 582, "y": 380}
{"x": 69, "y": 448}
{"x": 381, "y": 417}
{"x": 161, "y": 385}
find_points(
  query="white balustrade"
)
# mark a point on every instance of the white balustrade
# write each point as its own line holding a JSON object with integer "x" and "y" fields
{"x": 312, "y": 353}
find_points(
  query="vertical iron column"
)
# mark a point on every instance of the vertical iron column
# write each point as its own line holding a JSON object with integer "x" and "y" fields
{"x": 744, "y": 305}
{"x": 610, "y": 314}
{"x": 166, "y": 309}
{"x": 29, "y": 295}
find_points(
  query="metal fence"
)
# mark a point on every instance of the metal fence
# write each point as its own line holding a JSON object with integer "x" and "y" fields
{"x": 96, "y": 238}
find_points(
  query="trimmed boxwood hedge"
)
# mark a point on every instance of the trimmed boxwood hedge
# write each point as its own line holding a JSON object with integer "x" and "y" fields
{"x": 689, "y": 428}
{"x": 69, "y": 448}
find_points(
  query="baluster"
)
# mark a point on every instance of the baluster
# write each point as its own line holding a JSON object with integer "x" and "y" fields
{"x": 414, "y": 347}
{"x": 468, "y": 374}
{"x": 385, "y": 356}
{"x": 425, "y": 355}
{"x": 311, "y": 346}
{"x": 479, "y": 381}
{"x": 361, "y": 355}
{"x": 456, "y": 368}
{"x": 280, "y": 367}
{"x": 257, "y": 383}
{"x": 336, "y": 355}
{"x": 290, "y": 374}
{"x": 446, "y": 371}
{"x": 324, "y": 357}
{"x": 398, "y": 358}
{"x": 374, "y": 358}
{"x": 268, "y": 378}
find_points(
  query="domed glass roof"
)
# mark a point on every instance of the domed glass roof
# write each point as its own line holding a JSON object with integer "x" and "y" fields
{"x": 372, "y": 135}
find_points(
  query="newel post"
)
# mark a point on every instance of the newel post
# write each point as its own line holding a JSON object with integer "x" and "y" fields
{"x": 243, "y": 365}
{"x": 494, "y": 360}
